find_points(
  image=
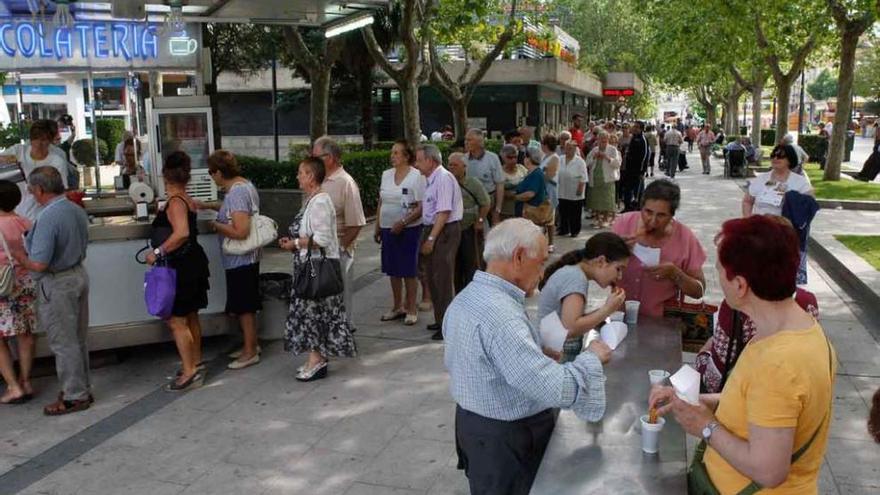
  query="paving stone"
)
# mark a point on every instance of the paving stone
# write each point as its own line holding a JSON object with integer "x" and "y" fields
{"x": 854, "y": 462}
{"x": 365, "y": 489}
{"x": 230, "y": 479}
{"x": 409, "y": 463}
{"x": 319, "y": 472}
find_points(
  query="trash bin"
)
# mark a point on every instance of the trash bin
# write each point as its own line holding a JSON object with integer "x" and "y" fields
{"x": 850, "y": 142}
{"x": 275, "y": 292}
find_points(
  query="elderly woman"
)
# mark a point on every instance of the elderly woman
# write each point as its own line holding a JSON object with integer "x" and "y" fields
{"x": 673, "y": 257}
{"x": 572, "y": 190}
{"x": 399, "y": 229}
{"x": 531, "y": 193}
{"x": 513, "y": 173}
{"x": 240, "y": 203}
{"x": 176, "y": 223}
{"x": 18, "y": 318}
{"x": 316, "y": 326}
{"x": 550, "y": 166}
{"x": 130, "y": 166}
{"x": 762, "y": 433}
{"x": 603, "y": 166}
{"x": 766, "y": 191}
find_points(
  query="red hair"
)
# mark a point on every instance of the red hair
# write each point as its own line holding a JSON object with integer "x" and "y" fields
{"x": 874, "y": 418}
{"x": 764, "y": 250}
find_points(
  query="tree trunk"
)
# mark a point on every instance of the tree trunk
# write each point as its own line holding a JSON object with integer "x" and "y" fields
{"x": 848, "y": 43}
{"x": 783, "y": 98}
{"x": 460, "y": 115}
{"x": 757, "y": 90}
{"x": 320, "y": 101}
{"x": 409, "y": 99}
{"x": 365, "y": 98}
{"x": 711, "y": 116}
{"x": 731, "y": 116}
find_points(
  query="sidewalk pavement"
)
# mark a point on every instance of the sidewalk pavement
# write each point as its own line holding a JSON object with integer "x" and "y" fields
{"x": 381, "y": 423}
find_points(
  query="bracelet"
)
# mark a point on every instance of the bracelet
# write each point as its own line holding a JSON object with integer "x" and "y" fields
{"x": 296, "y": 243}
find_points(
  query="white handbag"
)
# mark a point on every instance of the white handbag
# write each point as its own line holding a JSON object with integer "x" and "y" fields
{"x": 263, "y": 231}
{"x": 7, "y": 272}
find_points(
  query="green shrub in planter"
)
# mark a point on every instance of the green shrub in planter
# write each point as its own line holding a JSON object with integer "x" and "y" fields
{"x": 110, "y": 130}
{"x": 768, "y": 137}
{"x": 812, "y": 143}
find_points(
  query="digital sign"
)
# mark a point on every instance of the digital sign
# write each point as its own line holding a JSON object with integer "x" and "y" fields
{"x": 618, "y": 92}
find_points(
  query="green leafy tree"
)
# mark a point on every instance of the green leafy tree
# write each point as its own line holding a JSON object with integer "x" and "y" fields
{"x": 867, "y": 73}
{"x": 852, "y": 18}
{"x": 824, "y": 87}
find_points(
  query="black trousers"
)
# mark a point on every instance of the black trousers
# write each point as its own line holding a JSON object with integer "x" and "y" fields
{"x": 501, "y": 457}
{"x": 469, "y": 257}
{"x": 570, "y": 212}
{"x": 632, "y": 193}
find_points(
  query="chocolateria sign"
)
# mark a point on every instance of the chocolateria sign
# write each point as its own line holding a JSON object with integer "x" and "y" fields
{"x": 27, "y": 44}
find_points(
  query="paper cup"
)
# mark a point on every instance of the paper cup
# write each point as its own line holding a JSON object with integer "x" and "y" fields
{"x": 651, "y": 434}
{"x": 658, "y": 377}
{"x": 632, "y": 311}
{"x": 617, "y": 316}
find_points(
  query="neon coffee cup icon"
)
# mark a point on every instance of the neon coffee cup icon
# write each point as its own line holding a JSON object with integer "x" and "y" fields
{"x": 182, "y": 45}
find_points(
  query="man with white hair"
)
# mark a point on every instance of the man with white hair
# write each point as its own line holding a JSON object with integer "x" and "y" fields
{"x": 485, "y": 166}
{"x": 442, "y": 211}
{"x": 802, "y": 155}
{"x": 503, "y": 383}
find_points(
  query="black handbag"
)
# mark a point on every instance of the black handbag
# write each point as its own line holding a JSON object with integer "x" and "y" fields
{"x": 317, "y": 278}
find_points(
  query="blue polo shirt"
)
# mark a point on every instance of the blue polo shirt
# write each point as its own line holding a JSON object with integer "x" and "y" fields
{"x": 60, "y": 235}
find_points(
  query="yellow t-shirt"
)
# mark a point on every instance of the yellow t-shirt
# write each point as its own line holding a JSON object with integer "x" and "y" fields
{"x": 779, "y": 382}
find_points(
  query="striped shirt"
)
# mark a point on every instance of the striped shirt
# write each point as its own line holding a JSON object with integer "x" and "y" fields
{"x": 497, "y": 368}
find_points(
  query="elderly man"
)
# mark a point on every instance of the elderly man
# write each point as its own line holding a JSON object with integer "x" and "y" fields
{"x": 504, "y": 385}
{"x": 442, "y": 211}
{"x": 672, "y": 141}
{"x": 476, "y": 204}
{"x": 705, "y": 140}
{"x": 57, "y": 247}
{"x": 485, "y": 166}
{"x": 346, "y": 197}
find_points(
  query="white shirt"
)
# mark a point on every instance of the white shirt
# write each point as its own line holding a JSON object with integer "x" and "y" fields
{"x": 571, "y": 174}
{"x": 29, "y": 207}
{"x": 319, "y": 222}
{"x": 398, "y": 200}
{"x": 768, "y": 193}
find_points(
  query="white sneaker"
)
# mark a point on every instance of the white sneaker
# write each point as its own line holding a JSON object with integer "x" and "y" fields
{"x": 237, "y": 364}
{"x": 237, "y": 354}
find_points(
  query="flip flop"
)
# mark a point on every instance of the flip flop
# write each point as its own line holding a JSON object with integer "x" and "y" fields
{"x": 63, "y": 407}
{"x": 18, "y": 400}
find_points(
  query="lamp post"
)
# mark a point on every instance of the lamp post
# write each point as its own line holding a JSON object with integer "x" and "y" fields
{"x": 801, "y": 107}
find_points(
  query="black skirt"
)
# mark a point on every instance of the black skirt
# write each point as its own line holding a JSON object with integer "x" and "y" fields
{"x": 243, "y": 290}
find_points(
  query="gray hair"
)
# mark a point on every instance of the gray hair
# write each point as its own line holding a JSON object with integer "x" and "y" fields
{"x": 788, "y": 139}
{"x": 535, "y": 155}
{"x": 457, "y": 157}
{"x": 330, "y": 146}
{"x": 504, "y": 239}
{"x": 564, "y": 135}
{"x": 508, "y": 150}
{"x": 48, "y": 179}
{"x": 432, "y": 152}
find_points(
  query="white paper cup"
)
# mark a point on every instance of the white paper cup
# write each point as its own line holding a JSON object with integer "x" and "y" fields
{"x": 632, "y": 311}
{"x": 658, "y": 377}
{"x": 617, "y": 316}
{"x": 651, "y": 434}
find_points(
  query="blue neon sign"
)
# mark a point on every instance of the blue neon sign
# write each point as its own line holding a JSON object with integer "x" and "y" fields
{"x": 123, "y": 40}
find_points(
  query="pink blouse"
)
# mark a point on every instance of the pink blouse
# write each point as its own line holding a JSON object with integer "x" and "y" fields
{"x": 682, "y": 249}
{"x": 12, "y": 227}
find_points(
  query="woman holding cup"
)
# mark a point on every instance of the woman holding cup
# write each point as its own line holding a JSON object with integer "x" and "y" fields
{"x": 565, "y": 283}
{"x": 760, "y": 432}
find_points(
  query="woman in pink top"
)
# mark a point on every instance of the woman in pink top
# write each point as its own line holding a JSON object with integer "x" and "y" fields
{"x": 681, "y": 256}
{"x": 17, "y": 316}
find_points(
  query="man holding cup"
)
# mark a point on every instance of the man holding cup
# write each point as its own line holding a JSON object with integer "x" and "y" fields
{"x": 504, "y": 385}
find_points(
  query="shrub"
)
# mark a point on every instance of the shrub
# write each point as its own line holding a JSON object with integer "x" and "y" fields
{"x": 9, "y": 135}
{"x": 268, "y": 174}
{"x": 768, "y": 137}
{"x": 297, "y": 151}
{"x": 83, "y": 151}
{"x": 111, "y": 131}
{"x": 811, "y": 143}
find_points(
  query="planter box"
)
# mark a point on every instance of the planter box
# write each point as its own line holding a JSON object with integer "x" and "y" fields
{"x": 280, "y": 205}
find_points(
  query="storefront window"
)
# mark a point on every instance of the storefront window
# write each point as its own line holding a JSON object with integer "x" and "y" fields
{"x": 34, "y": 111}
{"x": 109, "y": 94}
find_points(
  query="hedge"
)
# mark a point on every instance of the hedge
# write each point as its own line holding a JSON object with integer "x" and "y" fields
{"x": 811, "y": 143}
{"x": 299, "y": 150}
{"x": 111, "y": 131}
{"x": 768, "y": 137}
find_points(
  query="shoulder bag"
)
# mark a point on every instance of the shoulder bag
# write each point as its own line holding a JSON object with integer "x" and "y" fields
{"x": 317, "y": 278}
{"x": 7, "y": 272}
{"x": 160, "y": 289}
{"x": 699, "y": 482}
{"x": 696, "y": 321}
{"x": 263, "y": 231}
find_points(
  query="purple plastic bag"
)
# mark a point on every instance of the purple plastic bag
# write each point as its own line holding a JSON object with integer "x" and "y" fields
{"x": 160, "y": 286}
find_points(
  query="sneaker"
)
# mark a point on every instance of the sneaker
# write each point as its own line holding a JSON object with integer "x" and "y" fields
{"x": 239, "y": 364}
{"x": 237, "y": 354}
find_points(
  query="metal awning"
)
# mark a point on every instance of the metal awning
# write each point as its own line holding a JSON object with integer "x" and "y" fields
{"x": 314, "y": 13}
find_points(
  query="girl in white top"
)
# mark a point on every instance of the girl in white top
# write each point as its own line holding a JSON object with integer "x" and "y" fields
{"x": 767, "y": 190}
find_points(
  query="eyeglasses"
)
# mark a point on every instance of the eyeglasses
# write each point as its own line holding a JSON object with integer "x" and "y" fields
{"x": 777, "y": 154}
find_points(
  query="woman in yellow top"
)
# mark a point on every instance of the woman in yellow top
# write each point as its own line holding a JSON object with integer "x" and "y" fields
{"x": 769, "y": 426}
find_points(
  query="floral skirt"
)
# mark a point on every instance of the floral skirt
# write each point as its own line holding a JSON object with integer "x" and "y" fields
{"x": 18, "y": 313}
{"x": 319, "y": 325}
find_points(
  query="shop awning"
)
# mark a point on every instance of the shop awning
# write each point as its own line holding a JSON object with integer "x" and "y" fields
{"x": 315, "y": 13}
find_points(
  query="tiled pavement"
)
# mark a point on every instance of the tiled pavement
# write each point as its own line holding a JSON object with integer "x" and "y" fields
{"x": 380, "y": 424}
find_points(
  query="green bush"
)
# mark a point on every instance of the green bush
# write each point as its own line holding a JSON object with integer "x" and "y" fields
{"x": 298, "y": 151}
{"x": 9, "y": 135}
{"x": 768, "y": 137}
{"x": 730, "y": 139}
{"x": 268, "y": 174}
{"x": 811, "y": 143}
{"x": 83, "y": 151}
{"x": 111, "y": 131}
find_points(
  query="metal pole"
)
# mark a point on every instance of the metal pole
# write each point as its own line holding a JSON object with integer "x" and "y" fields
{"x": 774, "y": 112}
{"x": 801, "y": 109}
{"x": 20, "y": 108}
{"x": 95, "y": 136}
{"x": 275, "y": 102}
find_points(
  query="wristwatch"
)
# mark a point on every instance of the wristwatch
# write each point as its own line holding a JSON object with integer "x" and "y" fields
{"x": 430, "y": 238}
{"x": 158, "y": 252}
{"x": 709, "y": 430}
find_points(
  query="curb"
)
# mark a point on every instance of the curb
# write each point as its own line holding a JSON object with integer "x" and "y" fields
{"x": 867, "y": 301}
{"x": 849, "y": 204}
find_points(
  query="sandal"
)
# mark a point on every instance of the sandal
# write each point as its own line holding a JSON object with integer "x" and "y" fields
{"x": 21, "y": 399}
{"x": 194, "y": 382}
{"x": 411, "y": 319}
{"x": 199, "y": 367}
{"x": 62, "y": 407}
{"x": 393, "y": 315}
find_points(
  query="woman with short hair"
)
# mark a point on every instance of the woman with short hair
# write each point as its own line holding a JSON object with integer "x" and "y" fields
{"x": 767, "y": 190}
{"x": 241, "y": 202}
{"x": 318, "y": 327}
{"x": 768, "y": 428}
{"x": 176, "y": 233}
{"x": 603, "y": 166}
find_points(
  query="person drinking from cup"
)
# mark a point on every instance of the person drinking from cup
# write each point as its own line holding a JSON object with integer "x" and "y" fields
{"x": 768, "y": 429}
{"x": 673, "y": 257}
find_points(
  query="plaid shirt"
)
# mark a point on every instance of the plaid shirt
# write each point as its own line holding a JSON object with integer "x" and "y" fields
{"x": 496, "y": 365}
